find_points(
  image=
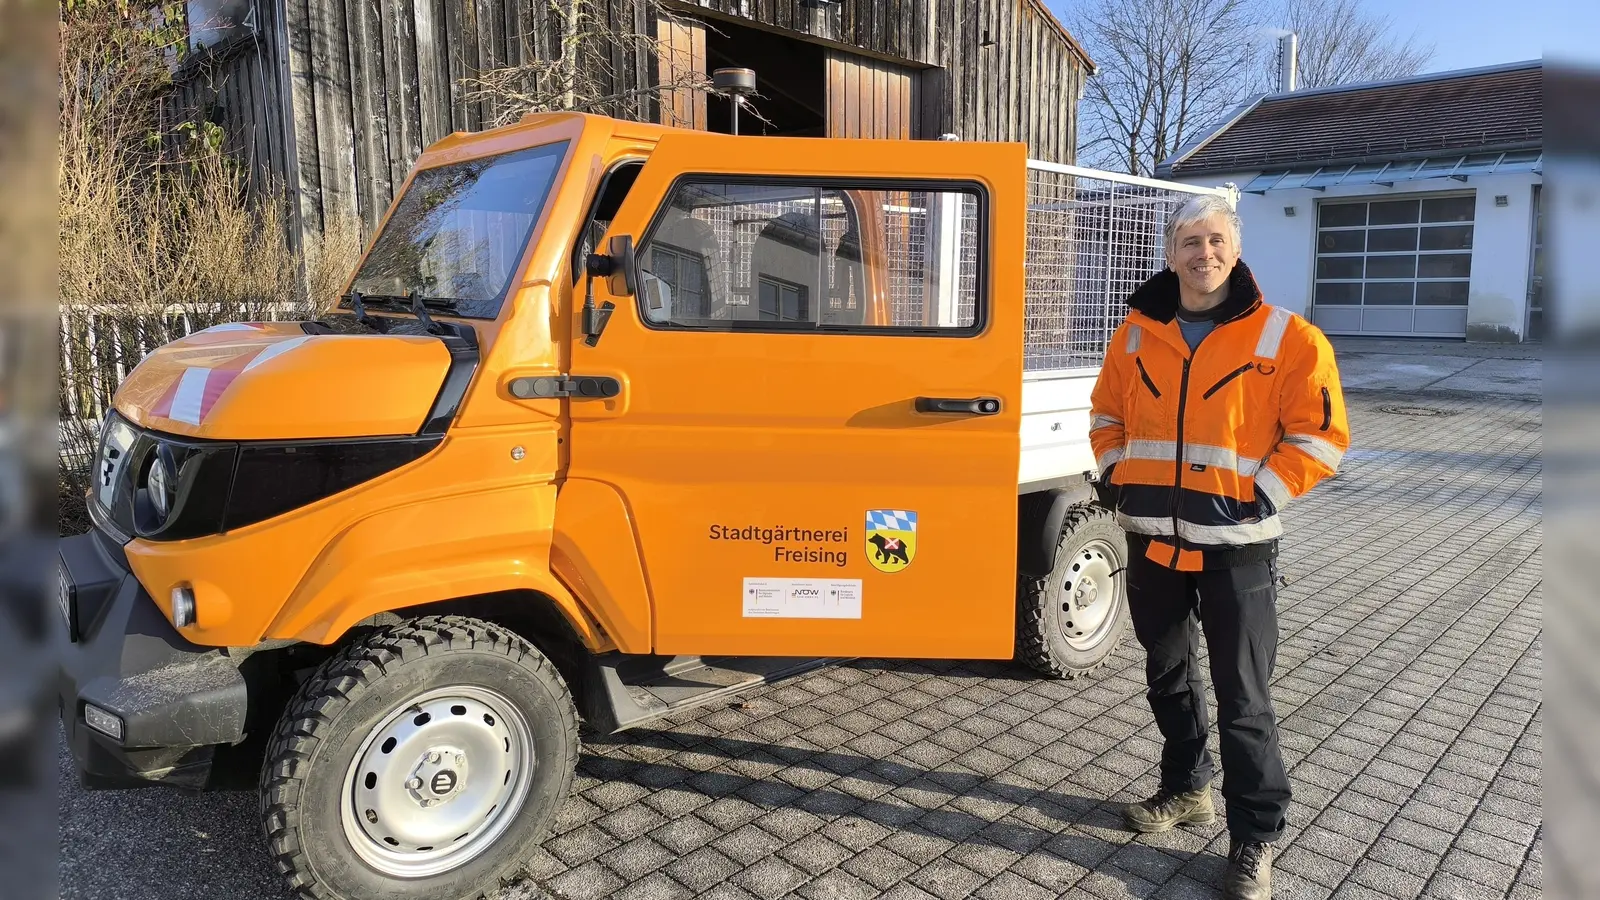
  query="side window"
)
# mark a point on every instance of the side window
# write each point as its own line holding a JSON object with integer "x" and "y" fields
{"x": 787, "y": 256}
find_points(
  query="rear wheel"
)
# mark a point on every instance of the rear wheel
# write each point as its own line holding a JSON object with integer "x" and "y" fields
{"x": 1070, "y": 622}
{"x": 423, "y": 760}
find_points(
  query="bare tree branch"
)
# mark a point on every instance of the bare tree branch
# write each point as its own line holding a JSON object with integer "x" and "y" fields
{"x": 1340, "y": 42}
{"x": 1169, "y": 68}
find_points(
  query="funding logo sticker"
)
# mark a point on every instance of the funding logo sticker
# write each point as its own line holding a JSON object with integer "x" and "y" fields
{"x": 891, "y": 539}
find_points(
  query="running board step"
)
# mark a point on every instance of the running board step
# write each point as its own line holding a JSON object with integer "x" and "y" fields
{"x": 625, "y": 691}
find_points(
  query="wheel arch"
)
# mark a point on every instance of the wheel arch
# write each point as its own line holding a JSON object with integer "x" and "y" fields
{"x": 532, "y": 615}
{"x": 1040, "y": 517}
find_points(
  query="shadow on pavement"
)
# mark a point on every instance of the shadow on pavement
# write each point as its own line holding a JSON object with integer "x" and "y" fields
{"x": 1085, "y": 831}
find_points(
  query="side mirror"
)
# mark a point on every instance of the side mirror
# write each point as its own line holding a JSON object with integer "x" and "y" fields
{"x": 624, "y": 274}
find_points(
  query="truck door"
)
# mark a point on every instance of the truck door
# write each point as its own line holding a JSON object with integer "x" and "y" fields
{"x": 815, "y": 425}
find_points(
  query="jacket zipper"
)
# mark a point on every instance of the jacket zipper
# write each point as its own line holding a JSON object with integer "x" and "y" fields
{"x": 1177, "y": 467}
{"x": 1231, "y": 376}
{"x": 1146, "y": 376}
{"x": 1327, "y": 410}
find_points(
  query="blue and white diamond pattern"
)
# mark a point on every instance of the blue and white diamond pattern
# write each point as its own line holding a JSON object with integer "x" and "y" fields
{"x": 891, "y": 520}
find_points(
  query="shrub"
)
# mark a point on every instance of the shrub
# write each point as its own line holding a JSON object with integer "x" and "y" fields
{"x": 161, "y": 233}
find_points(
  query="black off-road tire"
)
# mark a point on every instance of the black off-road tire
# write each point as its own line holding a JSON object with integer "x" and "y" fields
{"x": 324, "y": 726}
{"x": 1041, "y": 640}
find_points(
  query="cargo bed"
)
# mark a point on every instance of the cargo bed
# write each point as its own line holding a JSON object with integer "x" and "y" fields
{"x": 1055, "y": 429}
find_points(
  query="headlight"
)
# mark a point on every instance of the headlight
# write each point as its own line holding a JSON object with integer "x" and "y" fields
{"x": 164, "y": 498}
{"x": 159, "y": 483}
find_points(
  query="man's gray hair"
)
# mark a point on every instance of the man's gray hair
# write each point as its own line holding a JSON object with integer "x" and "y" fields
{"x": 1198, "y": 209}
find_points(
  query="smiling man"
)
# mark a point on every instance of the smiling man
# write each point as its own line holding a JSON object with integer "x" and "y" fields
{"x": 1213, "y": 411}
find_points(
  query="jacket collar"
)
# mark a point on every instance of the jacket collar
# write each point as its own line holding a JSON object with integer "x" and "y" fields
{"x": 1158, "y": 296}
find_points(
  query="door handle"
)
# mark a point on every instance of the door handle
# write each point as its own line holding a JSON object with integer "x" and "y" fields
{"x": 976, "y": 406}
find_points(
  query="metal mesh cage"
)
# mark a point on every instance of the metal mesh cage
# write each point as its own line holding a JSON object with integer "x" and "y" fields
{"x": 1093, "y": 237}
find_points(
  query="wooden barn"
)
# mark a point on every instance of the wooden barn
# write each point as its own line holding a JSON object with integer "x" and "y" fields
{"x": 338, "y": 97}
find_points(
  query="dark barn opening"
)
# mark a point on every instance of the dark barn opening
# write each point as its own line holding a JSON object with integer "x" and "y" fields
{"x": 790, "y": 82}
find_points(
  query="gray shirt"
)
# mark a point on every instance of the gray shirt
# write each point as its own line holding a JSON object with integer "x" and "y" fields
{"x": 1195, "y": 330}
{"x": 1196, "y": 325}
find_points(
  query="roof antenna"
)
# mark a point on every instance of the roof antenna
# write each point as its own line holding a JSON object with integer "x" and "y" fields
{"x": 738, "y": 84}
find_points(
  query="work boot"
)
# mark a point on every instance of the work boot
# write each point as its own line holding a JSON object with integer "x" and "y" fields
{"x": 1169, "y": 808}
{"x": 1249, "y": 871}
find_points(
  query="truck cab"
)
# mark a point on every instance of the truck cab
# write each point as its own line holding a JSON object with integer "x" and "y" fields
{"x": 612, "y": 419}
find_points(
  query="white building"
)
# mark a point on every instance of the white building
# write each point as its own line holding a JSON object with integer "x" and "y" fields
{"x": 1401, "y": 208}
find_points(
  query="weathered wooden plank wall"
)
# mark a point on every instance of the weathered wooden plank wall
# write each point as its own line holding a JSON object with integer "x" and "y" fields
{"x": 684, "y": 51}
{"x": 238, "y": 87}
{"x": 374, "y": 82}
{"x": 1010, "y": 74}
{"x": 339, "y": 97}
{"x": 993, "y": 70}
{"x": 893, "y": 29}
{"x": 870, "y": 98}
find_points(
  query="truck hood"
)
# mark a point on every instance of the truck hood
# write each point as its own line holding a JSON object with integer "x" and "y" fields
{"x": 273, "y": 381}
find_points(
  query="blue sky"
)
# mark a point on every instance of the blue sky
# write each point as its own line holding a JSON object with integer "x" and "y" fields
{"x": 1471, "y": 33}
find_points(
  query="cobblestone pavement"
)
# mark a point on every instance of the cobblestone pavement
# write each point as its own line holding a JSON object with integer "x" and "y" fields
{"x": 1408, "y": 685}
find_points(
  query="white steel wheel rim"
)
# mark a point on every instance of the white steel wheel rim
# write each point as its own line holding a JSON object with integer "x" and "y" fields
{"x": 1091, "y": 595}
{"x": 437, "y": 781}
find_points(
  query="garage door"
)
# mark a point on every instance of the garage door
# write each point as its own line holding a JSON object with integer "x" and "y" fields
{"x": 1394, "y": 266}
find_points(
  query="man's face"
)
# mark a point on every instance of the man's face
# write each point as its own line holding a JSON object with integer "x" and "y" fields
{"x": 1203, "y": 254}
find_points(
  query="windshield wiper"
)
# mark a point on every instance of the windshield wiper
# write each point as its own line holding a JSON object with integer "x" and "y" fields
{"x": 419, "y": 307}
{"x": 360, "y": 310}
{"x": 410, "y": 299}
{"x": 412, "y": 302}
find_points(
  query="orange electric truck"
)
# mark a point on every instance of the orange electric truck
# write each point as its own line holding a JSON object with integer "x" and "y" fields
{"x": 612, "y": 420}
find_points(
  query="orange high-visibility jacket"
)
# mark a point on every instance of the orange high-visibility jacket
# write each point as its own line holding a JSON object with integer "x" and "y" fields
{"x": 1255, "y": 415}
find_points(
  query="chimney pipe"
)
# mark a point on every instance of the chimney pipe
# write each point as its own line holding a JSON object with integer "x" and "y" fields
{"x": 1288, "y": 52}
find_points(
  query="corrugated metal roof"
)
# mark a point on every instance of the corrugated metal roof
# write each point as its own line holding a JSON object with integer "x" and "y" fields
{"x": 1477, "y": 110}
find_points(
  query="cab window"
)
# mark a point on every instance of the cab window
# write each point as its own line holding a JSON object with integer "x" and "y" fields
{"x": 785, "y": 256}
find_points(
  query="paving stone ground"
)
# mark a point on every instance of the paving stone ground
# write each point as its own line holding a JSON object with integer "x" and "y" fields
{"x": 1408, "y": 686}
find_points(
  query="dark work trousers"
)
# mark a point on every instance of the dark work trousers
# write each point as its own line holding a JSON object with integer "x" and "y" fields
{"x": 1237, "y": 607}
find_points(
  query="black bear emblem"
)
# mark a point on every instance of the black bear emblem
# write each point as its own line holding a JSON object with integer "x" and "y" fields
{"x": 889, "y": 549}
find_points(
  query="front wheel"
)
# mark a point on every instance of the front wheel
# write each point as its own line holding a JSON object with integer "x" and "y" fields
{"x": 423, "y": 760}
{"x": 1070, "y": 622}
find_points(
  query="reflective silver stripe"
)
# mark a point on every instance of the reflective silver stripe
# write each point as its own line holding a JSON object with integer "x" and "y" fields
{"x": 1099, "y": 422}
{"x": 1109, "y": 458}
{"x": 1159, "y": 526}
{"x": 1272, "y": 334}
{"x": 1207, "y": 455}
{"x": 1134, "y": 332}
{"x": 1319, "y": 449}
{"x": 1164, "y": 451}
{"x": 1203, "y": 454}
{"x": 1215, "y": 535}
{"x": 1268, "y": 482}
{"x": 1244, "y": 533}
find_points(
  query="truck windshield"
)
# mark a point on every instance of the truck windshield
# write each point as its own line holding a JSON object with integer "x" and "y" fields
{"x": 459, "y": 232}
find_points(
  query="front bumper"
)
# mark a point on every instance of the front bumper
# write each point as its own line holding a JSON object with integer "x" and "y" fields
{"x": 182, "y": 706}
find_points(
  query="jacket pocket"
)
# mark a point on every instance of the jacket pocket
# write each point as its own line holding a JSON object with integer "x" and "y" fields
{"x": 1146, "y": 377}
{"x": 1227, "y": 378}
{"x": 1327, "y": 409}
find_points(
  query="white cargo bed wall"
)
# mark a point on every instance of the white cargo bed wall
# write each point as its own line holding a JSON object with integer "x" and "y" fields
{"x": 1093, "y": 237}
